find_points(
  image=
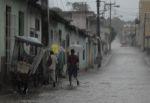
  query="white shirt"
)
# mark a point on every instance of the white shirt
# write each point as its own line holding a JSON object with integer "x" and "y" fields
{"x": 54, "y": 62}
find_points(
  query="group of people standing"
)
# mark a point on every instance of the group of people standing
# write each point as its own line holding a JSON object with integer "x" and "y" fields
{"x": 72, "y": 67}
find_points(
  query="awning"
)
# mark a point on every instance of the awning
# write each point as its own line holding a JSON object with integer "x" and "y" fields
{"x": 76, "y": 47}
{"x": 29, "y": 40}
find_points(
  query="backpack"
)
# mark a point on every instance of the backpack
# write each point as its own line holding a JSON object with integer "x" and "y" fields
{"x": 49, "y": 61}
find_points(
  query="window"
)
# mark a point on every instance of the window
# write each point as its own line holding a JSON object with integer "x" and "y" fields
{"x": 55, "y": 36}
{"x": 52, "y": 36}
{"x": 37, "y": 24}
{"x": 31, "y": 33}
{"x": 36, "y": 35}
{"x": 60, "y": 34}
{"x": 84, "y": 54}
{"x": 21, "y": 23}
{"x": 67, "y": 40}
{"x": 64, "y": 44}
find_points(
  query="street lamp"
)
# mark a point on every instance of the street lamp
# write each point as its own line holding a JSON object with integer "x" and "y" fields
{"x": 104, "y": 9}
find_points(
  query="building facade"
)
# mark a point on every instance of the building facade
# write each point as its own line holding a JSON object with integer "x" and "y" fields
{"x": 85, "y": 20}
{"x": 68, "y": 37}
{"x": 18, "y": 18}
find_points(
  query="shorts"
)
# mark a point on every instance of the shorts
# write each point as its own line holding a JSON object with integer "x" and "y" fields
{"x": 73, "y": 71}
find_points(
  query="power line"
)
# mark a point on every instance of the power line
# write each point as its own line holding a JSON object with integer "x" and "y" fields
{"x": 62, "y": 4}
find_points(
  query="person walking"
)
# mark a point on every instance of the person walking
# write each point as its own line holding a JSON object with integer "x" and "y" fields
{"x": 52, "y": 67}
{"x": 73, "y": 67}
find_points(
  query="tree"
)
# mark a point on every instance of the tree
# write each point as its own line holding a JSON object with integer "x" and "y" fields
{"x": 79, "y": 6}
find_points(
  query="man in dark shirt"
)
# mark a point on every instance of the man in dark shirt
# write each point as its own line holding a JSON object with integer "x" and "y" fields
{"x": 73, "y": 67}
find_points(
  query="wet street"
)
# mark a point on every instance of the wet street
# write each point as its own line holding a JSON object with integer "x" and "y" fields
{"x": 125, "y": 79}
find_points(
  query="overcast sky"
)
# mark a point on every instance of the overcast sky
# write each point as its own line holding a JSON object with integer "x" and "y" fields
{"x": 128, "y": 8}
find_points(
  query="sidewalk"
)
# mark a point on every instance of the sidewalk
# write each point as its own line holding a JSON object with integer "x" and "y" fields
{"x": 9, "y": 91}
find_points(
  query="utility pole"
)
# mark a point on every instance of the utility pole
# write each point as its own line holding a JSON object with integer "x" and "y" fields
{"x": 144, "y": 32}
{"x": 98, "y": 24}
{"x": 110, "y": 7}
{"x": 99, "y": 57}
{"x": 110, "y": 28}
{"x": 110, "y": 21}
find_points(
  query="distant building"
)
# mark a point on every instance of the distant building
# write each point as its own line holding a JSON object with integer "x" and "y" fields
{"x": 128, "y": 34}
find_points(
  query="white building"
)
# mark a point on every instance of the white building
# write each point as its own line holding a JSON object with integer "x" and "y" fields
{"x": 18, "y": 17}
{"x": 69, "y": 37}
